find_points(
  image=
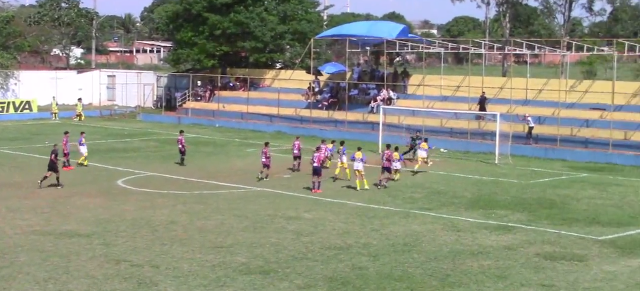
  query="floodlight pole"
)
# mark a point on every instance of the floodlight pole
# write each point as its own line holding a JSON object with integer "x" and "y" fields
{"x": 94, "y": 27}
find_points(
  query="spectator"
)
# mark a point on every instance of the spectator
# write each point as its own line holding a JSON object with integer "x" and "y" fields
{"x": 356, "y": 72}
{"x": 393, "y": 97}
{"x": 310, "y": 93}
{"x": 530, "y": 126}
{"x": 378, "y": 101}
{"x": 482, "y": 105}
{"x": 404, "y": 75}
{"x": 395, "y": 78}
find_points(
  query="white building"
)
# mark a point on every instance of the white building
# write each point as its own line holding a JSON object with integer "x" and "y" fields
{"x": 95, "y": 87}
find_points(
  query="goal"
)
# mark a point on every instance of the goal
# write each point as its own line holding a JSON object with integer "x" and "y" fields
{"x": 473, "y": 135}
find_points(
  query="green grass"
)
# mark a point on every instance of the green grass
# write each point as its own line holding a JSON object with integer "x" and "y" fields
{"x": 97, "y": 235}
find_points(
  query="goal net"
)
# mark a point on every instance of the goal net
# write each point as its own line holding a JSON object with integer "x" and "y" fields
{"x": 481, "y": 136}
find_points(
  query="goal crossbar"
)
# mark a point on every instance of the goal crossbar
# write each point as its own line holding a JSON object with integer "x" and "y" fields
{"x": 384, "y": 109}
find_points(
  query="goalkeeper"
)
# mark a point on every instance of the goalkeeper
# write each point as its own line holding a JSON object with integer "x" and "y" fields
{"x": 413, "y": 145}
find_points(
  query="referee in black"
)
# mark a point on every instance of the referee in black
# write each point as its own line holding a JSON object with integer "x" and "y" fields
{"x": 482, "y": 105}
{"x": 52, "y": 168}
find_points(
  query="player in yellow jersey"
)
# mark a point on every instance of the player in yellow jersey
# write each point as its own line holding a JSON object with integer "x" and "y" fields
{"x": 398, "y": 160}
{"x": 423, "y": 154}
{"x": 330, "y": 148}
{"x": 79, "y": 115}
{"x": 359, "y": 160}
{"x": 82, "y": 148}
{"x": 54, "y": 109}
{"x": 342, "y": 162}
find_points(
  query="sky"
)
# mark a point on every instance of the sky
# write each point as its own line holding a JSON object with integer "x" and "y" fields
{"x": 437, "y": 11}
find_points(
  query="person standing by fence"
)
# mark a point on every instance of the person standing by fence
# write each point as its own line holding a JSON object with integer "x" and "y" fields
{"x": 530, "y": 126}
{"x": 482, "y": 105}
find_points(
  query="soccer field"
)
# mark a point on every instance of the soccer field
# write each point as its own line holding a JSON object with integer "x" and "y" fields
{"x": 133, "y": 220}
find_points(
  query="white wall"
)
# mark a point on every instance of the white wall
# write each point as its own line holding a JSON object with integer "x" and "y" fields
{"x": 98, "y": 87}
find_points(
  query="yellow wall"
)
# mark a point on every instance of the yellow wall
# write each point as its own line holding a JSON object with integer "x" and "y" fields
{"x": 464, "y": 86}
{"x": 533, "y": 89}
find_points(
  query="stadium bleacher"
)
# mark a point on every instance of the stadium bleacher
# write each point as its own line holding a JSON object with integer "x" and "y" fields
{"x": 575, "y": 122}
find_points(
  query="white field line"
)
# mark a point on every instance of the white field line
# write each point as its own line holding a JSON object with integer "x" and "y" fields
{"x": 122, "y": 184}
{"x": 434, "y": 172}
{"x": 261, "y": 142}
{"x": 620, "y": 234}
{"x": 88, "y": 142}
{"x": 558, "y": 178}
{"x": 328, "y": 199}
{"x": 574, "y": 173}
{"x": 9, "y": 123}
{"x": 282, "y": 148}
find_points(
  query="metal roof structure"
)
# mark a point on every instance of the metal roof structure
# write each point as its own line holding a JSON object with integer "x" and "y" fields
{"x": 516, "y": 46}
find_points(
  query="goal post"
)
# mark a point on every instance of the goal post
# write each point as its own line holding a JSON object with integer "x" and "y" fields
{"x": 463, "y": 134}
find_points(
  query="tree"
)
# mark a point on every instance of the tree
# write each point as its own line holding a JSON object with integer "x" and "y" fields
{"x": 623, "y": 20}
{"x": 426, "y": 24}
{"x": 503, "y": 8}
{"x": 212, "y": 33}
{"x": 149, "y": 21}
{"x": 397, "y": 18}
{"x": 12, "y": 44}
{"x": 560, "y": 12}
{"x": 462, "y": 26}
{"x": 70, "y": 23}
{"x": 348, "y": 17}
{"x": 527, "y": 22}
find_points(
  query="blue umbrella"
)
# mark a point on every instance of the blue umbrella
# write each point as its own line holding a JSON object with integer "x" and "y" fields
{"x": 333, "y": 68}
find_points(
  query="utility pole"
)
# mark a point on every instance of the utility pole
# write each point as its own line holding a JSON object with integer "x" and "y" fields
{"x": 325, "y": 14}
{"x": 348, "y": 6}
{"x": 93, "y": 35}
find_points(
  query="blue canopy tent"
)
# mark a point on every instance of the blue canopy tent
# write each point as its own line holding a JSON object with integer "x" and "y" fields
{"x": 368, "y": 34}
{"x": 332, "y": 68}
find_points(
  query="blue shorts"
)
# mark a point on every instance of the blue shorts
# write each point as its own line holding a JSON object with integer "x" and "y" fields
{"x": 316, "y": 172}
{"x": 266, "y": 166}
{"x": 385, "y": 170}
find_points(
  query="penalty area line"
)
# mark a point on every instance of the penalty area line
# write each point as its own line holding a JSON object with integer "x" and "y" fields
{"x": 479, "y": 221}
{"x": 637, "y": 231}
{"x": 558, "y": 178}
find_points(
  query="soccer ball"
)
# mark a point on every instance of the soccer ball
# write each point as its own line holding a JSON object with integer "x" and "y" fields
{"x": 443, "y": 150}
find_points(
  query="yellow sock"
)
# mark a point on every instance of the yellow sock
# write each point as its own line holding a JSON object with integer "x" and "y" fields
{"x": 337, "y": 171}
{"x": 86, "y": 161}
{"x": 357, "y": 184}
{"x": 328, "y": 163}
{"x": 418, "y": 165}
{"x": 366, "y": 185}
{"x": 81, "y": 160}
{"x": 348, "y": 174}
{"x": 397, "y": 176}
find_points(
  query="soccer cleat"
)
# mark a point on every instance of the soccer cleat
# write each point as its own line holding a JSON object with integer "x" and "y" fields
{"x": 366, "y": 188}
{"x": 265, "y": 179}
{"x": 318, "y": 191}
{"x": 60, "y": 186}
{"x": 314, "y": 191}
{"x": 40, "y": 184}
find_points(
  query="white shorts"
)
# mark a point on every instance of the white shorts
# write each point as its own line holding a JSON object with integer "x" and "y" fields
{"x": 343, "y": 159}
{"x": 83, "y": 150}
{"x": 358, "y": 166}
{"x": 422, "y": 154}
{"x": 396, "y": 166}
